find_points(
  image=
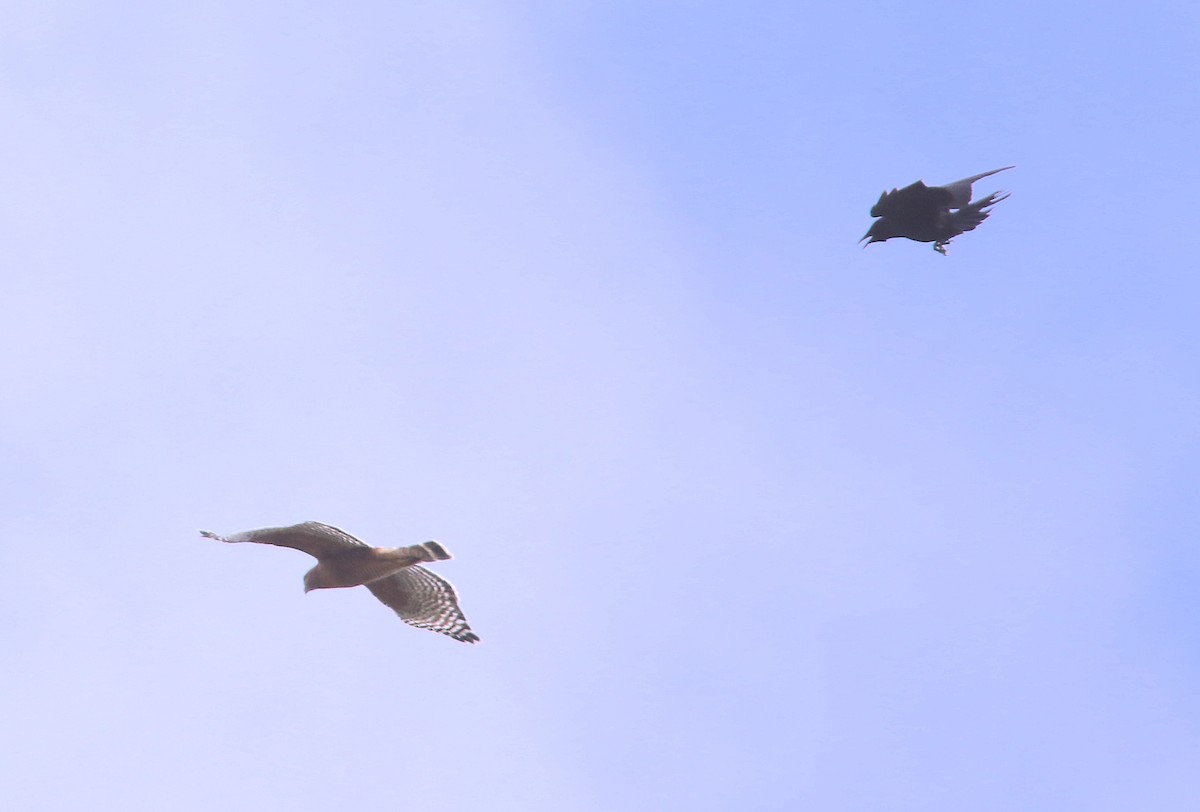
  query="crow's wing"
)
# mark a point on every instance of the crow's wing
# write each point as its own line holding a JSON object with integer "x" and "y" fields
{"x": 969, "y": 217}
{"x": 914, "y": 202}
{"x": 960, "y": 190}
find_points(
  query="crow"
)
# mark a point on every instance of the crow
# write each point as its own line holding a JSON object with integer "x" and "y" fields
{"x": 924, "y": 213}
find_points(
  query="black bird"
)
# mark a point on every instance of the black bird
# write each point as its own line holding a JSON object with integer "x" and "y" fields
{"x": 923, "y": 213}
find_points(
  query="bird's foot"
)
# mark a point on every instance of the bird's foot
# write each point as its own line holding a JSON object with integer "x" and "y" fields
{"x": 940, "y": 247}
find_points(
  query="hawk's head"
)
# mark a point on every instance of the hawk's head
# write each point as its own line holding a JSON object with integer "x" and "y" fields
{"x": 313, "y": 579}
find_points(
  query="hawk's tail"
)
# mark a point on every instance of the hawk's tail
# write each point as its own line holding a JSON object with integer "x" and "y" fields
{"x": 430, "y": 551}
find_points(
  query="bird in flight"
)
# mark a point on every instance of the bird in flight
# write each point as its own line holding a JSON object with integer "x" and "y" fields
{"x": 417, "y": 595}
{"x": 935, "y": 214}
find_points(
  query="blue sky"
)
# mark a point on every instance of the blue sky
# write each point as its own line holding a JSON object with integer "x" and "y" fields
{"x": 747, "y": 517}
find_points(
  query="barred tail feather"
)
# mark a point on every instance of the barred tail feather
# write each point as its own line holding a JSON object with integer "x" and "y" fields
{"x": 433, "y": 551}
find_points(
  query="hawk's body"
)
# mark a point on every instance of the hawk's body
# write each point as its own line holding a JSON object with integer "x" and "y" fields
{"x": 420, "y": 597}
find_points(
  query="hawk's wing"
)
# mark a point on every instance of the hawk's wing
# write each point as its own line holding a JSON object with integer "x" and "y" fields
{"x": 914, "y": 202}
{"x": 316, "y": 539}
{"x": 425, "y": 600}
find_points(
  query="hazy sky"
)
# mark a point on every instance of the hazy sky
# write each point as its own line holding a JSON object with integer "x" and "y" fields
{"x": 748, "y": 517}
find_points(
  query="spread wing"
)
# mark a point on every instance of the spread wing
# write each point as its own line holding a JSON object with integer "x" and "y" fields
{"x": 969, "y": 217}
{"x": 916, "y": 201}
{"x": 316, "y": 539}
{"x": 960, "y": 190}
{"x": 425, "y": 600}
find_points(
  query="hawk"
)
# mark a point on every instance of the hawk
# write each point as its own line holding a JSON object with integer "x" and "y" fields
{"x": 923, "y": 213}
{"x": 417, "y": 595}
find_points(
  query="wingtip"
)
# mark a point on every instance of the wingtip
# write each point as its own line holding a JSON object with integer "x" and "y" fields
{"x": 983, "y": 175}
{"x": 993, "y": 199}
{"x": 208, "y": 534}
